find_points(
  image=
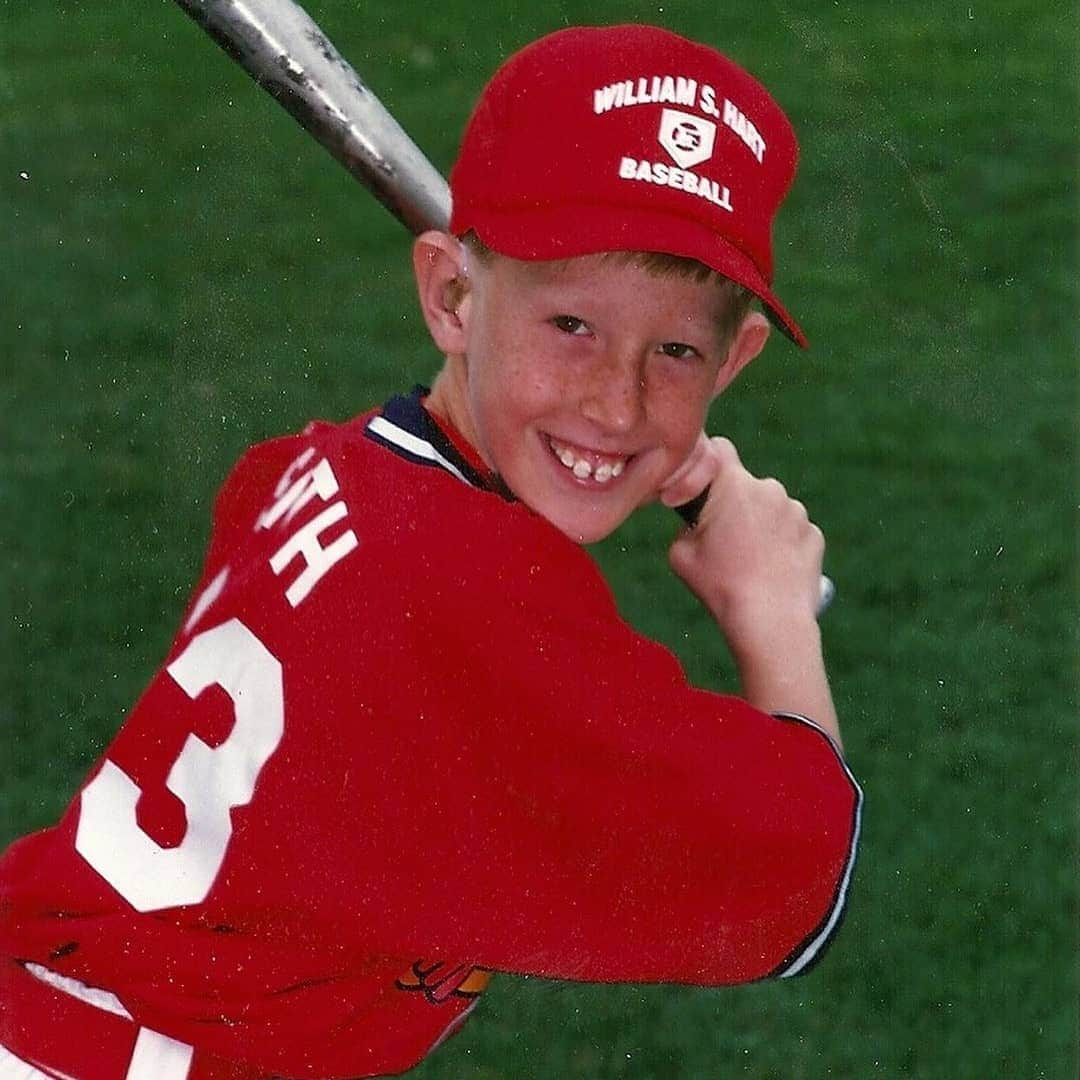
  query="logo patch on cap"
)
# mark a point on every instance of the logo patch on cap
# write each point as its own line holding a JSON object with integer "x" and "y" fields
{"x": 687, "y": 138}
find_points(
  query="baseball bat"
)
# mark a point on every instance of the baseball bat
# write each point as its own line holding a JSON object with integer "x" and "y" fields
{"x": 279, "y": 45}
{"x": 284, "y": 51}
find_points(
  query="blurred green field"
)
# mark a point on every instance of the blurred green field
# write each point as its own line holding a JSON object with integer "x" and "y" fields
{"x": 184, "y": 272}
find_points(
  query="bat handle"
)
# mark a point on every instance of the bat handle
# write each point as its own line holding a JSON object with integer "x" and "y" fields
{"x": 689, "y": 512}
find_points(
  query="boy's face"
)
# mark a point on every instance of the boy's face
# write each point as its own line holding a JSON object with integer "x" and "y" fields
{"x": 583, "y": 384}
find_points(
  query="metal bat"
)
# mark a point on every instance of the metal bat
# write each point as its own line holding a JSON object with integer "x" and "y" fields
{"x": 278, "y": 44}
{"x": 285, "y": 52}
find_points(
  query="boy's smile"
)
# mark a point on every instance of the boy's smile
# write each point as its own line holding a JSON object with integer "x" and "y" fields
{"x": 584, "y": 384}
{"x": 585, "y": 465}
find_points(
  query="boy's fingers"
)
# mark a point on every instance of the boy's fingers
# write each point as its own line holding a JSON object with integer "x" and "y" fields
{"x": 696, "y": 473}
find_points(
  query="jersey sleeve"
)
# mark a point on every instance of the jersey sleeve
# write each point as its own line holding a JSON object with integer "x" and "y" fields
{"x": 598, "y": 817}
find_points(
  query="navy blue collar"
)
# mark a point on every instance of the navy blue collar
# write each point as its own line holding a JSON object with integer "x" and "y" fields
{"x": 407, "y": 429}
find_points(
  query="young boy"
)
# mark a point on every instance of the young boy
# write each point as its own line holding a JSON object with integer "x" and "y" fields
{"x": 403, "y": 738}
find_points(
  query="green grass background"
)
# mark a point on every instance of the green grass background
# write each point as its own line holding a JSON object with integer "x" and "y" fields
{"x": 183, "y": 272}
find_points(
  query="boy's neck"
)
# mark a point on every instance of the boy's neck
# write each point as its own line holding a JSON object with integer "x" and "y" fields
{"x": 444, "y": 406}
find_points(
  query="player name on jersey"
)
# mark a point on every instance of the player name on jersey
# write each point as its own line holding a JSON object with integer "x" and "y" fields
{"x": 296, "y": 488}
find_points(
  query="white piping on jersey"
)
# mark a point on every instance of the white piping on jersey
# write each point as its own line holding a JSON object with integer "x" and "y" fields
{"x": 814, "y": 947}
{"x": 100, "y": 999}
{"x": 414, "y": 445}
{"x": 454, "y": 1026}
{"x": 14, "y": 1068}
{"x": 154, "y": 1056}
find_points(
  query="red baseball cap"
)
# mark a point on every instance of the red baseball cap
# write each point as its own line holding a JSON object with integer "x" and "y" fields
{"x": 628, "y": 138}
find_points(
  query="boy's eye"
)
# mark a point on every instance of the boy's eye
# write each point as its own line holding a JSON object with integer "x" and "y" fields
{"x": 570, "y": 324}
{"x": 677, "y": 350}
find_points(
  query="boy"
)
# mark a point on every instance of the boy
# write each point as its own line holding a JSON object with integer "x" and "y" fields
{"x": 402, "y": 738}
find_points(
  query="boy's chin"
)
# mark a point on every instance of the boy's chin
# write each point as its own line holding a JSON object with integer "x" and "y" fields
{"x": 583, "y": 537}
{"x": 586, "y": 528}
{"x": 581, "y": 516}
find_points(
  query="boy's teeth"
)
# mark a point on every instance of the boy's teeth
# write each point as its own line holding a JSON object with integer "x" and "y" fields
{"x": 583, "y": 468}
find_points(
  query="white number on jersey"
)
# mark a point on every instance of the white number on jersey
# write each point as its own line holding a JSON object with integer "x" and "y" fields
{"x": 208, "y": 781}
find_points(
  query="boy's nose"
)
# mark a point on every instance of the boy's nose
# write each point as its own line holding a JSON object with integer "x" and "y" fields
{"x": 613, "y": 397}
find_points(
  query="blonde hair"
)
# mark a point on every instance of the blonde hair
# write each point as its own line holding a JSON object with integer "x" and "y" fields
{"x": 736, "y": 300}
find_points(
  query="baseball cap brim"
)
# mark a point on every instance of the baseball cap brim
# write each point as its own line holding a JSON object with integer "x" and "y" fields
{"x": 567, "y": 231}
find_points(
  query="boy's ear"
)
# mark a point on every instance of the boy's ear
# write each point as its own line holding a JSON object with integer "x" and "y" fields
{"x": 748, "y": 341}
{"x": 442, "y": 285}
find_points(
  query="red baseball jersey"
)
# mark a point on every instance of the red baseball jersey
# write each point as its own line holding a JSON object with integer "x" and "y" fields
{"x": 403, "y": 739}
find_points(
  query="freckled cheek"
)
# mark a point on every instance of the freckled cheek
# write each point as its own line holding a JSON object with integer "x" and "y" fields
{"x": 506, "y": 407}
{"x": 678, "y": 412}
{"x": 535, "y": 388}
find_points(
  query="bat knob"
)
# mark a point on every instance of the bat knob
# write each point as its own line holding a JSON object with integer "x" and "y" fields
{"x": 690, "y": 511}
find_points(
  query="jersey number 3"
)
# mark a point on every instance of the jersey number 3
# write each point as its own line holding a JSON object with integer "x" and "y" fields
{"x": 209, "y": 781}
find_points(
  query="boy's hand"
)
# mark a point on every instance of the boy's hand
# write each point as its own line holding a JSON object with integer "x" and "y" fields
{"x": 692, "y": 477}
{"x": 754, "y": 557}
